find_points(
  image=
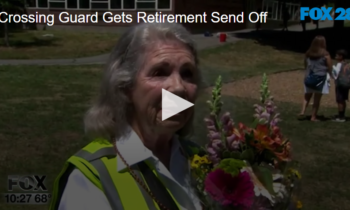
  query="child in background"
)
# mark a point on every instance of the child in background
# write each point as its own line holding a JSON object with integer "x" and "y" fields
{"x": 339, "y": 57}
{"x": 342, "y": 94}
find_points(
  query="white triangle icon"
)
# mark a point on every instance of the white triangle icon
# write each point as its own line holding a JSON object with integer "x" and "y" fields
{"x": 172, "y": 104}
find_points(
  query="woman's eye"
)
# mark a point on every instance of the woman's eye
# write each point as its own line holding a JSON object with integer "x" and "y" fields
{"x": 159, "y": 73}
{"x": 187, "y": 73}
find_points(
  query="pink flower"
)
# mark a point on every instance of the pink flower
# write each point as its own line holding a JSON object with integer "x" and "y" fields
{"x": 228, "y": 190}
{"x": 266, "y": 113}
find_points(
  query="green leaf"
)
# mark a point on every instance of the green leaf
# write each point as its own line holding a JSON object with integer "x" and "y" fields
{"x": 226, "y": 154}
{"x": 247, "y": 155}
{"x": 255, "y": 123}
{"x": 195, "y": 150}
{"x": 268, "y": 155}
{"x": 265, "y": 177}
{"x": 202, "y": 151}
{"x": 235, "y": 155}
{"x": 249, "y": 137}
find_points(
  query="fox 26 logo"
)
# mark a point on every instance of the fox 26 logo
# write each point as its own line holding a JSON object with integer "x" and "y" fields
{"x": 324, "y": 13}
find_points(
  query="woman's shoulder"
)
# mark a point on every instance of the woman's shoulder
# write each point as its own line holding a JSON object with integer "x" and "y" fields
{"x": 320, "y": 60}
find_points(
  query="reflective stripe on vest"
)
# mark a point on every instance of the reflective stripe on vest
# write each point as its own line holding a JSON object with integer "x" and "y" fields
{"x": 108, "y": 186}
{"x": 98, "y": 163}
{"x": 106, "y": 180}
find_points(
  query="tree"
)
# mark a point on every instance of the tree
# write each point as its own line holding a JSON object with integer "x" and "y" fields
{"x": 9, "y": 6}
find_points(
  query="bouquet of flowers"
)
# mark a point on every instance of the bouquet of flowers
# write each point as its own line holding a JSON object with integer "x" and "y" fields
{"x": 245, "y": 168}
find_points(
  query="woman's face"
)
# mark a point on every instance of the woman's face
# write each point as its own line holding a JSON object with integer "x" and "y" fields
{"x": 169, "y": 66}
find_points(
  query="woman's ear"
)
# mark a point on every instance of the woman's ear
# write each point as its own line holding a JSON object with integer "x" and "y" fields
{"x": 128, "y": 95}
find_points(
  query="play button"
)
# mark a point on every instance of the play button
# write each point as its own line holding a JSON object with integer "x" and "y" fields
{"x": 172, "y": 104}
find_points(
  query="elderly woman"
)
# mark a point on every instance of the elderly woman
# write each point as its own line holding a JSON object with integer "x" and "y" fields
{"x": 137, "y": 161}
{"x": 318, "y": 64}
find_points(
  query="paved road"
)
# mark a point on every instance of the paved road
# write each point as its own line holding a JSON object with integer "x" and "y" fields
{"x": 202, "y": 43}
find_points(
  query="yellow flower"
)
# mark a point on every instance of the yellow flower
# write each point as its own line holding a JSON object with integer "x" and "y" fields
{"x": 299, "y": 205}
{"x": 204, "y": 160}
{"x": 295, "y": 173}
{"x": 195, "y": 163}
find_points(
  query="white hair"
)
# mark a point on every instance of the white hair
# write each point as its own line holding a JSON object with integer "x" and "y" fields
{"x": 108, "y": 116}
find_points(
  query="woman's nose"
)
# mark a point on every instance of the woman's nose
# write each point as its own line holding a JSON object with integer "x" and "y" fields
{"x": 176, "y": 86}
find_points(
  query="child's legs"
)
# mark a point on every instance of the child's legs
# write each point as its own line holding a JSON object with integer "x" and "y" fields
{"x": 342, "y": 95}
{"x": 307, "y": 98}
{"x": 316, "y": 105}
{"x": 341, "y": 108}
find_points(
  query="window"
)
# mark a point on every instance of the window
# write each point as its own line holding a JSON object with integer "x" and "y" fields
{"x": 116, "y": 4}
{"x": 99, "y": 5}
{"x": 128, "y": 4}
{"x": 269, "y": 12}
{"x": 57, "y": 5}
{"x": 269, "y": 7}
{"x": 84, "y": 4}
{"x": 72, "y": 4}
{"x": 42, "y": 4}
{"x": 164, "y": 4}
{"x": 31, "y": 3}
{"x": 146, "y": 5}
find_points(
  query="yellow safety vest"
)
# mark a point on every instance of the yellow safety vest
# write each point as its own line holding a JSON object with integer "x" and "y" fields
{"x": 97, "y": 161}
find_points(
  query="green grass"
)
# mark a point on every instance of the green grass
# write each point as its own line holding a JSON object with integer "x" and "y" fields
{"x": 41, "y": 114}
{"x": 63, "y": 44}
{"x": 41, "y": 118}
{"x": 245, "y": 59}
